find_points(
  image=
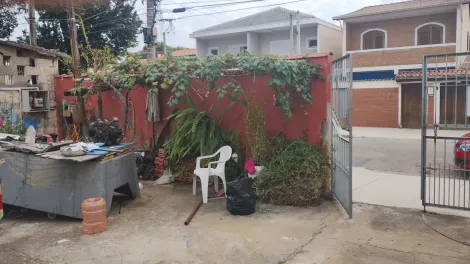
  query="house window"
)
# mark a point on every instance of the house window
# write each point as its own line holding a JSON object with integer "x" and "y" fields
{"x": 312, "y": 43}
{"x": 19, "y": 53}
{"x": 34, "y": 79}
{"x": 32, "y": 63}
{"x": 214, "y": 51}
{"x": 374, "y": 39}
{"x": 8, "y": 79}
{"x": 6, "y": 60}
{"x": 20, "y": 70}
{"x": 430, "y": 34}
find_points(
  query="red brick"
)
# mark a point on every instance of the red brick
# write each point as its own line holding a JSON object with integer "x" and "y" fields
{"x": 401, "y": 32}
{"x": 375, "y": 107}
{"x": 401, "y": 57}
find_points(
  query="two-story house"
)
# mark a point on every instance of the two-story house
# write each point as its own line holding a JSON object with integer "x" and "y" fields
{"x": 387, "y": 43}
{"x": 277, "y": 31}
{"x": 27, "y": 84}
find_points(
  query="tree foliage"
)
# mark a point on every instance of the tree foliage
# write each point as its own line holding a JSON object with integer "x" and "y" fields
{"x": 8, "y": 11}
{"x": 115, "y": 24}
{"x": 289, "y": 78}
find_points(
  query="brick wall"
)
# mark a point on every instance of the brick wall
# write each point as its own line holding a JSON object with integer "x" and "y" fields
{"x": 375, "y": 107}
{"x": 400, "y": 57}
{"x": 401, "y": 32}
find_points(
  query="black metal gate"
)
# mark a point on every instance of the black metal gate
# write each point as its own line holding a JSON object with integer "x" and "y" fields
{"x": 341, "y": 131}
{"x": 445, "y": 146}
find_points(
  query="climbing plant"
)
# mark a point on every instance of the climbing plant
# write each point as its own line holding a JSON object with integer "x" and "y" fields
{"x": 289, "y": 78}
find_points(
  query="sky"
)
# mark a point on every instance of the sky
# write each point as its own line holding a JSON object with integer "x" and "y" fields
{"x": 179, "y": 34}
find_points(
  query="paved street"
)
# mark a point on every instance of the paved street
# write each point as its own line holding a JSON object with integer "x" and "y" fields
{"x": 386, "y": 171}
{"x": 401, "y": 155}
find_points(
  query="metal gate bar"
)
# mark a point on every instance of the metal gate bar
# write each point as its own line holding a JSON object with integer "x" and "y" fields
{"x": 445, "y": 160}
{"x": 341, "y": 131}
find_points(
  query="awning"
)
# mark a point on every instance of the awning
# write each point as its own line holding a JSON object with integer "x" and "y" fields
{"x": 434, "y": 75}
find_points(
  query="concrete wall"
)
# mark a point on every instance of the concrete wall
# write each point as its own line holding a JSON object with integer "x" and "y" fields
{"x": 253, "y": 43}
{"x": 46, "y": 68}
{"x": 305, "y": 33}
{"x": 330, "y": 40}
{"x": 401, "y": 32}
{"x": 305, "y": 117}
{"x": 266, "y": 38}
{"x": 465, "y": 28}
{"x": 201, "y": 48}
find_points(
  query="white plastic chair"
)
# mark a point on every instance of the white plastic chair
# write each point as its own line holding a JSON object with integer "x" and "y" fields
{"x": 218, "y": 171}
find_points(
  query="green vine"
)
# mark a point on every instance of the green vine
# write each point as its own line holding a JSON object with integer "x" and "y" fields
{"x": 289, "y": 78}
{"x": 7, "y": 125}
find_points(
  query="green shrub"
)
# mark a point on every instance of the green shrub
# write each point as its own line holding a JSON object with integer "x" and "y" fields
{"x": 297, "y": 175}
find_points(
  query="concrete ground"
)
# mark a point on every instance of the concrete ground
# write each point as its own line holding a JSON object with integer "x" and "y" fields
{"x": 386, "y": 169}
{"x": 151, "y": 230}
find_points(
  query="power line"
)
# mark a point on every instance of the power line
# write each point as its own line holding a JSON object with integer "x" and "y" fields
{"x": 221, "y": 4}
{"x": 246, "y": 8}
{"x": 209, "y": 1}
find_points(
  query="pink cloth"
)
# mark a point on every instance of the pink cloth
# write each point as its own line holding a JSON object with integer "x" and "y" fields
{"x": 1, "y": 122}
{"x": 250, "y": 166}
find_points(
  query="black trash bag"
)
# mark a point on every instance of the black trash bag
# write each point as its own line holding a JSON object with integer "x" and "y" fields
{"x": 241, "y": 197}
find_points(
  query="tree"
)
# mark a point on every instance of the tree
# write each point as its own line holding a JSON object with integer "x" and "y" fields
{"x": 115, "y": 24}
{"x": 169, "y": 49}
{"x": 8, "y": 11}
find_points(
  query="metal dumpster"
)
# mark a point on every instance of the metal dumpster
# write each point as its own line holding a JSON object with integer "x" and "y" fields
{"x": 60, "y": 186}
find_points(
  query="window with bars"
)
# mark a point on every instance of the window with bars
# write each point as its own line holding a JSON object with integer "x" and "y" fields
{"x": 7, "y": 60}
{"x": 430, "y": 35}
{"x": 20, "y": 70}
{"x": 374, "y": 39}
{"x": 8, "y": 79}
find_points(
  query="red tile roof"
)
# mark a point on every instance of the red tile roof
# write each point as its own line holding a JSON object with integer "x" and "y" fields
{"x": 399, "y": 6}
{"x": 438, "y": 74}
{"x": 184, "y": 52}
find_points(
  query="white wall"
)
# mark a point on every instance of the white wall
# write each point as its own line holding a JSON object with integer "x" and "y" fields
{"x": 253, "y": 43}
{"x": 266, "y": 38}
{"x": 201, "y": 48}
{"x": 223, "y": 43}
{"x": 306, "y": 33}
{"x": 330, "y": 40}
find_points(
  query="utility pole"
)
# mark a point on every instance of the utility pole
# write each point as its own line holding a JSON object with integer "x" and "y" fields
{"x": 164, "y": 42}
{"x": 76, "y": 63}
{"x": 32, "y": 24}
{"x": 298, "y": 33}
{"x": 150, "y": 24}
{"x": 292, "y": 47}
{"x": 73, "y": 40}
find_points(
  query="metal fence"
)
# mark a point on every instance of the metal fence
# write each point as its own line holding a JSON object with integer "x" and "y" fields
{"x": 341, "y": 131}
{"x": 445, "y": 152}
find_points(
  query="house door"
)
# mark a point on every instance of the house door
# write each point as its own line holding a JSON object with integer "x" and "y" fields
{"x": 411, "y": 105}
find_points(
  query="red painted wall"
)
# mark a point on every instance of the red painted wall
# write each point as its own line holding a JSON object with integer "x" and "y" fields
{"x": 306, "y": 118}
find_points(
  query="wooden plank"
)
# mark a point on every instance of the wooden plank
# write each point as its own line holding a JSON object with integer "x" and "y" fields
{"x": 35, "y": 148}
{"x": 58, "y": 156}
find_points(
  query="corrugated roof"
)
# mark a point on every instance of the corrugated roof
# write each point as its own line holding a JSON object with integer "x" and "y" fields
{"x": 438, "y": 74}
{"x": 399, "y": 6}
{"x": 184, "y": 52}
{"x": 39, "y": 50}
{"x": 274, "y": 15}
